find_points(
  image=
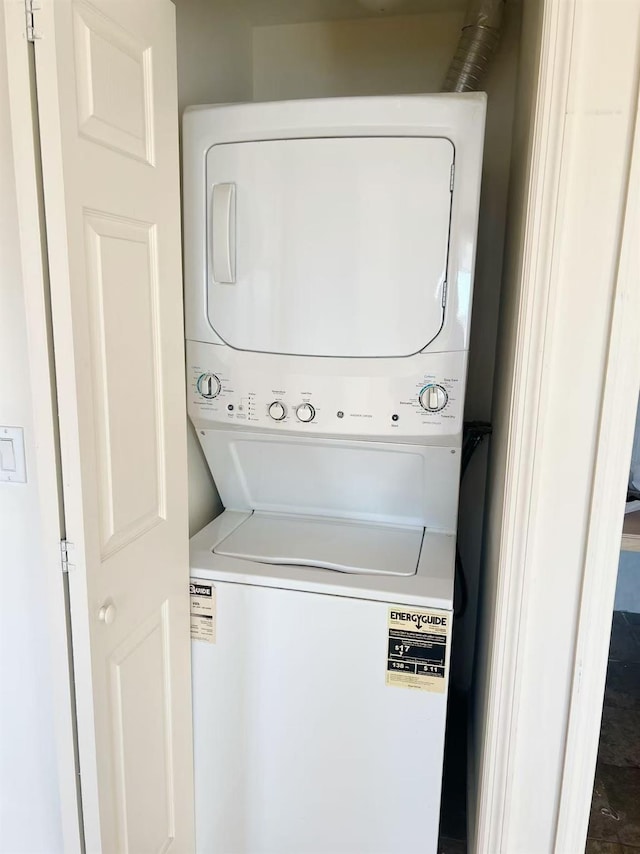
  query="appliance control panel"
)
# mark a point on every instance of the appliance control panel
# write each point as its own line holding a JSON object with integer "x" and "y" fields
{"x": 408, "y": 398}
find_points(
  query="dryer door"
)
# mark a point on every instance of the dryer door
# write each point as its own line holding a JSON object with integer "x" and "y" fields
{"x": 331, "y": 246}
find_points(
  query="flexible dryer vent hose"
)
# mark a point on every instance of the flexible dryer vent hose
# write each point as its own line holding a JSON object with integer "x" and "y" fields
{"x": 478, "y": 41}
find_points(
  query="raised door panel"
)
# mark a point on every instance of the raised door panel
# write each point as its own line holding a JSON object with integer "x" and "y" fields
{"x": 122, "y": 271}
{"x": 111, "y": 190}
{"x": 114, "y": 83}
{"x": 141, "y": 701}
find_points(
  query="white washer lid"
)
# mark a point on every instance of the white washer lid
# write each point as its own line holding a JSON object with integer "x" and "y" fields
{"x": 346, "y": 546}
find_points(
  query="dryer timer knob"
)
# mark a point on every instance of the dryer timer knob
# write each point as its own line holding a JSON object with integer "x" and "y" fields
{"x": 433, "y": 398}
{"x": 208, "y": 386}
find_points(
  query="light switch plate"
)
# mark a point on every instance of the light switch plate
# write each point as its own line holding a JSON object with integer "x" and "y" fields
{"x": 13, "y": 467}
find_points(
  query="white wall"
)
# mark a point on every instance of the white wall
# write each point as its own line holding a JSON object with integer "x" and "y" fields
{"x": 371, "y": 56}
{"x": 628, "y": 584}
{"x": 214, "y": 52}
{"x": 375, "y": 55}
{"x": 29, "y": 796}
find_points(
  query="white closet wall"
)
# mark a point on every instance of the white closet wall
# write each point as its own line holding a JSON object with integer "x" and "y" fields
{"x": 628, "y": 586}
{"x": 214, "y": 52}
{"x": 369, "y": 56}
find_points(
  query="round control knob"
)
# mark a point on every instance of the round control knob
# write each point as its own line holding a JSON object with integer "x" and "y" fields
{"x": 277, "y": 410}
{"x": 305, "y": 412}
{"x": 208, "y": 386}
{"x": 433, "y": 398}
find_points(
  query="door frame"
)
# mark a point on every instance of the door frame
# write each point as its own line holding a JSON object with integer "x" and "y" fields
{"x": 509, "y": 736}
{"x": 602, "y": 547}
{"x": 50, "y": 526}
{"x": 592, "y": 589}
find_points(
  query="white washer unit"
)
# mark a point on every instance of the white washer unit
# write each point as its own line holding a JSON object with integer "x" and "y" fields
{"x": 329, "y": 257}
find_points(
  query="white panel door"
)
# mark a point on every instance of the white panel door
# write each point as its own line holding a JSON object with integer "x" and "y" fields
{"x": 106, "y": 78}
{"x": 329, "y": 247}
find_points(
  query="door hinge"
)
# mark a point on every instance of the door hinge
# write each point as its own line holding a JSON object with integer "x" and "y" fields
{"x": 65, "y": 546}
{"x": 30, "y": 8}
{"x": 451, "y": 177}
{"x": 444, "y": 293}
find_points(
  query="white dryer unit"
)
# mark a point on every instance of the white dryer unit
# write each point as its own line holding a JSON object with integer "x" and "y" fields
{"x": 329, "y": 257}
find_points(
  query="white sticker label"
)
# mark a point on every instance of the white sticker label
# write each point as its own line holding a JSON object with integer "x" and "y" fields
{"x": 417, "y": 648}
{"x": 203, "y": 610}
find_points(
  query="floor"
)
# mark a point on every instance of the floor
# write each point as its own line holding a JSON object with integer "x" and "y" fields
{"x": 453, "y": 812}
{"x": 614, "y": 825}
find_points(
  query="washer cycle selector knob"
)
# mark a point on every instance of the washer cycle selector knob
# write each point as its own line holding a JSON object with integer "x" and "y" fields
{"x": 208, "y": 386}
{"x": 433, "y": 398}
{"x": 277, "y": 410}
{"x": 305, "y": 412}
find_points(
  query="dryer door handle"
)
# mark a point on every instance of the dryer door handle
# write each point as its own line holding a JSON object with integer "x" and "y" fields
{"x": 223, "y": 233}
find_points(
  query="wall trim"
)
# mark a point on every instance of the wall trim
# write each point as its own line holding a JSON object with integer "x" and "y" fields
{"x": 574, "y": 97}
{"x": 616, "y": 430}
{"x": 518, "y": 494}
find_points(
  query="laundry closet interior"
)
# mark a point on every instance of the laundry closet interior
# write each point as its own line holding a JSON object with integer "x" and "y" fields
{"x": 248, "y": 51}
{"x": 245, "y": 51}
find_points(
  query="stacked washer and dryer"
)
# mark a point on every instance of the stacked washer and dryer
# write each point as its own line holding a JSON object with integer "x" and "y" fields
{"x": 329, "y": 260}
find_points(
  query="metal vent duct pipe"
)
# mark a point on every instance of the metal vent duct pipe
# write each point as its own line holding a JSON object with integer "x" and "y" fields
{"x": 478, "y": 41}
